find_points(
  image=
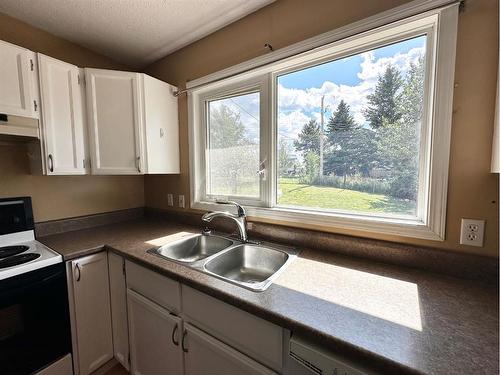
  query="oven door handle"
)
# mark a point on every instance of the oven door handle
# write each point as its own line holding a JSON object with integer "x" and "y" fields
{"x": 31, "y": 284}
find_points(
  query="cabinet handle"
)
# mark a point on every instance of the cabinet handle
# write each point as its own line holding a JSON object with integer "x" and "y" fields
{"x": 51, "y": 163}
{"x": 184, "y": 334}
{"x": 139, "y": 164}
{"x": 174, "y": 331}
{"x": 77, "y": 268}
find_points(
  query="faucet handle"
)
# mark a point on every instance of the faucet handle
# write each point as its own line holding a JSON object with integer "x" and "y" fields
{"x": 241, "y": 210}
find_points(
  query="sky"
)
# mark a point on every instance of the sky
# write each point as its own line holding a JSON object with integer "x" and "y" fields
{"x": 350, "y": 79}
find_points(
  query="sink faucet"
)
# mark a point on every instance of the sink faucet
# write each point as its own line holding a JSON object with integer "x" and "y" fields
{"x": 240, "y": 218}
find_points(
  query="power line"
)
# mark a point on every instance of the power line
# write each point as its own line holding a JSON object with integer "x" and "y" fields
{"x": 248, "y": 113}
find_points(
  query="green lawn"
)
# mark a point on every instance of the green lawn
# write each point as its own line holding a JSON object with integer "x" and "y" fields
{"x": 296, "y": 194}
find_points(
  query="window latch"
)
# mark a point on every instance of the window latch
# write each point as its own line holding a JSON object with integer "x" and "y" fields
{"x": 262, "y": 172}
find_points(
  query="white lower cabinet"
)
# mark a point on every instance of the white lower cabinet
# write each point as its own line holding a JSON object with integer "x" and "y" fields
{"x": 154, "y": 337}
{"x": 90, "y": 313}
{"x": 118, "y": 296}
{"x": 153, "y": 325}
{"x": 204, "y": 355}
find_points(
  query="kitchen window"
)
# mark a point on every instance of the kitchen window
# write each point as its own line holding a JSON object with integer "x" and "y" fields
{"x": 353, "y": 134}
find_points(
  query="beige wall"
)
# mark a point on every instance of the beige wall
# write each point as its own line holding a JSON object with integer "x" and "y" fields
{"x": 473, "y": 191}
{"x": 60, "y": 197}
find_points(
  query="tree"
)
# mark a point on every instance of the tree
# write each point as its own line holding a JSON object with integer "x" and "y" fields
{"x": 340, "y": 138}
{"x": 383, "y": 104}
{"x": 411, "y": 98}
{"x": 226, "y": 128}
{"x": 311, "y": 162}
{"x": 308, "y": 139}
{"x": 398, "y": 141}
{"x": 285, "y": 160}
{"x": 233, "y": 157}
{"x": 341, "y": 120}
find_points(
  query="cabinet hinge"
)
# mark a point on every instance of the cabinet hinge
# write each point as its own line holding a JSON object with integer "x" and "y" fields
{"x": 35, "y": 105}
{"x": 123, "y": 269}
{"x": 128, "y": 359}
{"x": 32, "y": 65}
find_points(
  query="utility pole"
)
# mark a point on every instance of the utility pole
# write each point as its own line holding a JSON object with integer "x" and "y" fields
{"x": 321, "y": 136}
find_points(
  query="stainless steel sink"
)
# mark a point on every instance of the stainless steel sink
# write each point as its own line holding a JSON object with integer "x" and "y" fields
{"x": 251, "y": 266}
{"x": 193, "y": 248}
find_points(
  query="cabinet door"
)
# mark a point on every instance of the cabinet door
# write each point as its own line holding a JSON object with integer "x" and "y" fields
{"x": 161, "y": 127}
{"x": 62, "y": 116}
{"x": 118, "y": 294}
{"x": 92, "y": 312}
{"x": 154, "y": 338}
{"x": 114, "y": 104}
{"x": 204, "y": 355}
{"x": 17, "y": 74}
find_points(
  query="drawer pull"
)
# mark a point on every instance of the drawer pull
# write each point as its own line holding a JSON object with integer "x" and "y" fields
{"x": 184, "y": 349}
{"x": 174, "y": 331}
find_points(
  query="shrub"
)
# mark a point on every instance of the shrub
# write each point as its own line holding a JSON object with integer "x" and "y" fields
{"x": 357, "y": 183}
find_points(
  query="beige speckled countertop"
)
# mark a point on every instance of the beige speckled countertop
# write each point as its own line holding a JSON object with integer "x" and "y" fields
{"x": 393, "y": 319}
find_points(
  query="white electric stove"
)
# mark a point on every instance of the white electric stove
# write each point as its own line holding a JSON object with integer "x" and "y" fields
{"x": 35, "y": 331}
{"x": 19, "y": 251}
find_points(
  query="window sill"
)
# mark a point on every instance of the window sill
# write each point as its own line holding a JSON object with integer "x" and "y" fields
{"x": 392, "y": 226}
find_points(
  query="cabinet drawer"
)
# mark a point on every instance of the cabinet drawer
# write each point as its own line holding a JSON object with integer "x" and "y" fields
{"x": 160, "y": 289}
{"x": 249, "y": 334}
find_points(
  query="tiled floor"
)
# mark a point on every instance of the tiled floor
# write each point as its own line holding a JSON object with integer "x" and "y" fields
{"x": 117, "y": 370}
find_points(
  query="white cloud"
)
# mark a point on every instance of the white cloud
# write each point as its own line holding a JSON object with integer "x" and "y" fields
{"x": 303, "y": 104}
{"x": 290, "y": 124}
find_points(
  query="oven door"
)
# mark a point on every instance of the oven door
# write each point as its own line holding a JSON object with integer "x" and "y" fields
{"x": 34, "y": 320}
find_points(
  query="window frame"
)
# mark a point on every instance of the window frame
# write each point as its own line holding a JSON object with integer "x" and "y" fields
{"x": 440, "y": 28}
{"x": 227, "y": 91}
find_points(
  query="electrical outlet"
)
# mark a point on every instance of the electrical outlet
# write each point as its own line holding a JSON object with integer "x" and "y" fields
{"x": 170, "y": 199}
{"x": 472, "y": 232}
{"x": 181, "y": 201}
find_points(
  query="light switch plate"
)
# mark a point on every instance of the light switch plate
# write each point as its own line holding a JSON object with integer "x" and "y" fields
{"x": 472, "y": 232}
{"x": 181, "y": 201}
{"x": 170, "y": 199}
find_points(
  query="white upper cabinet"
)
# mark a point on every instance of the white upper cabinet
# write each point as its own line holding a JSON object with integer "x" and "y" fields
{"x": 161, "y": 127}
{"x": 63, "y": 121}
{"x": 18, "y": 90}
{"x": 115, "y": 121}
{"x": 133, "y": 123}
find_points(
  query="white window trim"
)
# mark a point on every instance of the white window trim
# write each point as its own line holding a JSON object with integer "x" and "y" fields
{"x": 260, "y": 85}
{"x": 432, "y": 224}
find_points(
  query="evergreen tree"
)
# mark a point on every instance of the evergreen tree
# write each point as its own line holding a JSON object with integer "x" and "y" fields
{"x": 341, "y": 120}
{"x": 308, "y": 139}
{"x": 383, "y": 103}
{"x": 226, "y": 128}
{"x": 341, "y": 135}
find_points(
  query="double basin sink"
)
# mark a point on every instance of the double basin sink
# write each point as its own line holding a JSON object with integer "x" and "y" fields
{"x": 250, "y": 265}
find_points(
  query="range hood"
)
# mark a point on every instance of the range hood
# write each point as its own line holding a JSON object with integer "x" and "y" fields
{"x": 19, "y": 126}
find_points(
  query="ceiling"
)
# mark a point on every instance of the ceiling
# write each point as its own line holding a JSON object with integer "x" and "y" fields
{"x": 134, "y": 32}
